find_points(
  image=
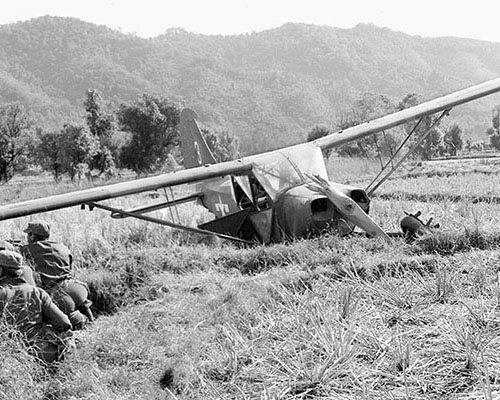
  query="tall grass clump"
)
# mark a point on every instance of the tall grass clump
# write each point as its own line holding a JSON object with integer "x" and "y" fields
{"x": 22, "y": 376}
{"x": 449, "y": 243}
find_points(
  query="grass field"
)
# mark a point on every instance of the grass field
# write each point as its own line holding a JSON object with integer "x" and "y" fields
{"x": 183, "y": 318}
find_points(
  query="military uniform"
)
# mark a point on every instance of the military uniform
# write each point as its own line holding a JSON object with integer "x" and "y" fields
{"x": 29, "y": 309}
{"x": 71, "y": 296}
{"x": 27, "y": 271}
{"x": 52, "y": 260}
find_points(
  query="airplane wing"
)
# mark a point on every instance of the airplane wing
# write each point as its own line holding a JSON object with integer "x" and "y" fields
{"x": 121, "y": 189}
{"x": 244, "y": 165}
{"x": 390, "y": 121}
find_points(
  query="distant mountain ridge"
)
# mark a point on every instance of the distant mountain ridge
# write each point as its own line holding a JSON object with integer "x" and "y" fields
{"x": 268, "y": 88}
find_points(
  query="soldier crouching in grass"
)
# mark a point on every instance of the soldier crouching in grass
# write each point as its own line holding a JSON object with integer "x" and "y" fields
{"x": 53, "y": 260}
{"x": 27, "y": 271}
{"x": 30, "y": 309}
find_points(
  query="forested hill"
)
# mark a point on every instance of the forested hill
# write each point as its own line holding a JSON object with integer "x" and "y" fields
{"x": 268, "y": 88}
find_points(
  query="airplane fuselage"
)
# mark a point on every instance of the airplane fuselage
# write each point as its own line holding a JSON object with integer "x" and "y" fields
{"x": 296, "y": 212}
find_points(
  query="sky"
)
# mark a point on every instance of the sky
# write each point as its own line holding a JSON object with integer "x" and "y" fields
{"x": 478, "y": 19}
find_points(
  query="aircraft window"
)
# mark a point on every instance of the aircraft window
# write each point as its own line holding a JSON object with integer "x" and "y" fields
{"x": 287, "y": 168}
{"x": 241, "y": 198}
{"x": 259, "y": 193}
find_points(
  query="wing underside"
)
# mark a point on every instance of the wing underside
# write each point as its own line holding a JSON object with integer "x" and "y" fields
{"x": 121, "y": 189}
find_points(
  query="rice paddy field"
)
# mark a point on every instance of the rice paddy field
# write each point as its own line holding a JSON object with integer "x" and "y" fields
{"x": 183, "y": 317}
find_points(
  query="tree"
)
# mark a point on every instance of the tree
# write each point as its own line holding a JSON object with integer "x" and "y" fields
{"x": 453, "y": 140}
{"x": 429, "y": 148}
{"x": 77, "y": 148}
{"x": 103, "y": 126}
{"x": 16, "y": 138}
{"x": 432, "y": 143}
{"x": 223, "y": 145}
{"x": 495, "y": 141}
{"x": 494, "y": 131}
{"x": 48, "y": 153}
{"x": 152, "y": 122}
{"x": 369, "y": 106}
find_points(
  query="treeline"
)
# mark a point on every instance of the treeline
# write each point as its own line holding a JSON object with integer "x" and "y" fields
{"x": 141, "y": 136}
{"x": 437, "y": 142}
{"x": 447, "y": 141}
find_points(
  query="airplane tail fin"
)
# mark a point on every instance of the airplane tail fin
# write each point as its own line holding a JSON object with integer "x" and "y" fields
{"x": 193, "y": 146}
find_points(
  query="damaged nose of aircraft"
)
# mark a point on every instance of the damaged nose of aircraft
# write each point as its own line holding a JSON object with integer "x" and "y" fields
{"x": 301, "y": 211}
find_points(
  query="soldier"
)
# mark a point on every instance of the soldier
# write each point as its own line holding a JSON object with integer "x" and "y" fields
{"x": 28, "y": 308}
{"x": 27, "y": 271}
{"x": 52, "y": 260}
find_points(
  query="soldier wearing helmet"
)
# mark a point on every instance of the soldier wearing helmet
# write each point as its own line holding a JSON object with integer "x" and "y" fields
{"x": 27, "y": 271}
{"x": 53, "y": 261}
{"x": 29, "y": 308}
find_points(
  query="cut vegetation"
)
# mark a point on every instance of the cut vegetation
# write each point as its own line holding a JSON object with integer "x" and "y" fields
{"x": 180, "y": 318}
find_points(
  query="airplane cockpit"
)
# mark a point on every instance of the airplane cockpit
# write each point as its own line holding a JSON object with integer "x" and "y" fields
{"x": 256, "y": 197}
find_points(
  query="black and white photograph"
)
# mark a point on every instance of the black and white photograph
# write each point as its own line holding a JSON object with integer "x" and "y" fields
{"x": 249, "y": 200}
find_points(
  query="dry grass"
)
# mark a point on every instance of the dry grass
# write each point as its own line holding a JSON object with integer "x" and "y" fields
{"x": 320, "y": 318}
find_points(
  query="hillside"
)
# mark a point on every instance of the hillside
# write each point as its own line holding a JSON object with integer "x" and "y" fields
{"x": 268, "y": 88}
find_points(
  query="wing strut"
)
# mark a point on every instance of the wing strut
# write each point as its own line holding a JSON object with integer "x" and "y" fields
{"x": 178, "y": 219}
{"x": 165, "y": 223}
{"x": 158, "y": 206}
{"x": 370, "y": 189}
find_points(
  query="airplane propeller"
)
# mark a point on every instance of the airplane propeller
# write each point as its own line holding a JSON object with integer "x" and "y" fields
{"x": 348, "y": 207}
